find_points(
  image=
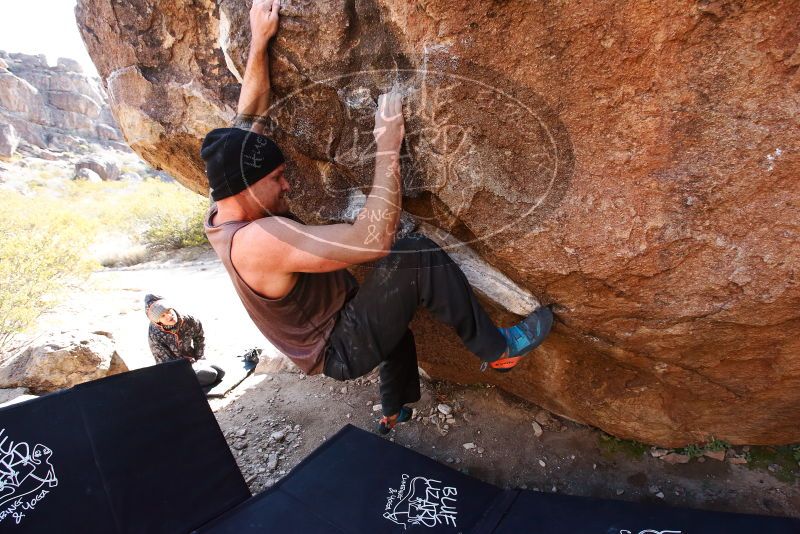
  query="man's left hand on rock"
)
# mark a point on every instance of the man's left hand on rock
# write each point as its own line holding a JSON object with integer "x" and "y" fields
{"x": 263, "y": 21}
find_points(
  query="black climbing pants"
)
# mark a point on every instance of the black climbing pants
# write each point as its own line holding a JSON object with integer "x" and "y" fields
{"x": 372, "y": 328}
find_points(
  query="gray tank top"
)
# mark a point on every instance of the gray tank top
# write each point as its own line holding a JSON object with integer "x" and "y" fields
{"x": 298, "y": 324}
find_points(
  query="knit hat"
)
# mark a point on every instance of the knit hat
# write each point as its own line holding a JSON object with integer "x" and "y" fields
{"x": 236, "y": 159}
{"x": 156, "y": 308}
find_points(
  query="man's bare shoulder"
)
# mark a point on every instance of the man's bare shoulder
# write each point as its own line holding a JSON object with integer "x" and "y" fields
{"x": 254, "y": 236}
{"x": 274, "y": 230}
{"x": 289, "y": 246}
{"x": 260, "y": 255}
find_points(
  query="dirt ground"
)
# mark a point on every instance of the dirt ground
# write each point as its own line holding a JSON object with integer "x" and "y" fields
{"x": 272, "y": 421}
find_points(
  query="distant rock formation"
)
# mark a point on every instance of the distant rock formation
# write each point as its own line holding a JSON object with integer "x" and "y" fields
{"x": 634, "y": 163}
{"x": 9, "y": 140}
{"x": 104, "y": 168}
{"x": 57, "y": 108}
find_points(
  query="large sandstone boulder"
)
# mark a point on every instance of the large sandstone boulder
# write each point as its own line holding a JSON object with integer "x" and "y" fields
{"x": 108, "y": 133}
{"x": 77, "y": 103}
{"x": 87, "y": 175}
{"x": 165, "y": 94}
{"x": 68, "y": 65}
{"x": 634, "y": 164}
{"x": 18, "y": 95}
{"x": 34, "y": 134}
{"x": 106, "y": 169}
{"x": 62, "y": 362}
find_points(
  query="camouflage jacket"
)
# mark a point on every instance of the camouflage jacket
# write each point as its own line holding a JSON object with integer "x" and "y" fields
{"x": 183, "y": 340}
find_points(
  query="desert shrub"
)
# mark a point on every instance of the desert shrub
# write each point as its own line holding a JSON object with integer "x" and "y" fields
{"x": 175, "y": 230}
{"x": 715, "y": 444}
{"x": 157, "y": 214}
{"x": 693, "y": 451}
{"x": 174, "y": 218}
{"x": 612, "y": 445}
{"x": 42, "y": 245}
{"x": 696, "y": 450}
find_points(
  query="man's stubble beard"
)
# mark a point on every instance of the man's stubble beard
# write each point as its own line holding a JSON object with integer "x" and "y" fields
{"x": 283, "y": 208}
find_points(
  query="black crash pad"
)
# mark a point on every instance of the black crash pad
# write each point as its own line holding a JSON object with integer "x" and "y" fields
{"x": 139, "y": 452}
{"x": 567, "y": 514}
{"x": 358, "y": 483}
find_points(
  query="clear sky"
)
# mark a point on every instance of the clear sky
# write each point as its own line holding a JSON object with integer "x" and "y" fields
{"x": 43, "y": 27}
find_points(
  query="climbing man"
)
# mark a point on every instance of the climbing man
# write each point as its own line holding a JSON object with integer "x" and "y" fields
{"x": 292, "y": 278}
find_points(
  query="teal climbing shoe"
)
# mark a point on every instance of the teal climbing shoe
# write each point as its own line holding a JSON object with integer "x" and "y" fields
{"x": 387, "y": 423}
{"x": 523, "y": 338}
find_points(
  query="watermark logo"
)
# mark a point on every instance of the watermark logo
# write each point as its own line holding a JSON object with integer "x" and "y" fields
{"x": 482, "y": 158}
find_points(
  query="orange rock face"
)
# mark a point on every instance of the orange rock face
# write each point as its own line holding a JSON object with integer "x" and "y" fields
{"x": 635, "y": 165}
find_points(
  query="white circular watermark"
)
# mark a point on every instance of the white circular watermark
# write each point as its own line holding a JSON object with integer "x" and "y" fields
{"x": 482, "y": 159}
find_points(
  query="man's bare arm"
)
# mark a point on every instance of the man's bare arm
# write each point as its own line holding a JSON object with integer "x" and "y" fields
{"x": 251, "y": 113}
{"x": 376, "y": 224}
{"x": 291, "y": 247}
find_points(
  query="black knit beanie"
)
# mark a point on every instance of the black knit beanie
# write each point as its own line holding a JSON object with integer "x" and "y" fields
{"x": 236, "y": 159}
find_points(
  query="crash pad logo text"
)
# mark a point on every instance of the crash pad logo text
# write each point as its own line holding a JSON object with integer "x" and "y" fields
{"x": 421, "y": 501}
{"x": 26, "y": 477}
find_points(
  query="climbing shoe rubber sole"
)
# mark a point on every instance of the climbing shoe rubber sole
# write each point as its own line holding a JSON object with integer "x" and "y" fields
{"x": 385, "y": 425}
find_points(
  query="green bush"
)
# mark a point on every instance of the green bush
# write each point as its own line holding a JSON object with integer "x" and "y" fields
{"x": 175, "y": 216}
{"x": 611, "y": 445}
{"x": 175, "y": 230}
{"x": 693, "y": 451}
{"x": 157, "y": 214}
{"x": 41, "y": 250}
{"x": 713, "y": 444}
{"x": 785, "y": 457}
